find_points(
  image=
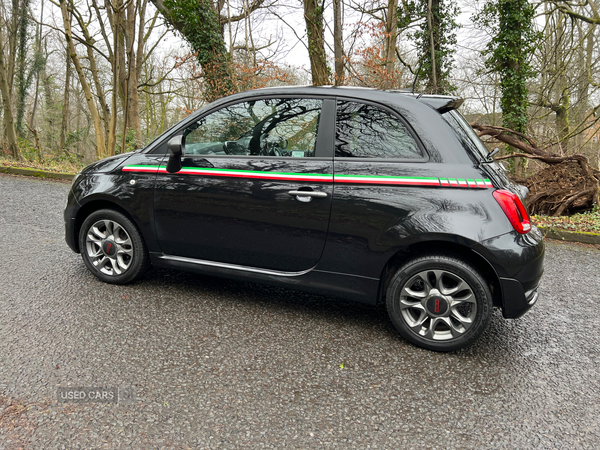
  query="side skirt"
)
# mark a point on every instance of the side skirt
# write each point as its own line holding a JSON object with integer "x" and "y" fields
{"x": 351, "y": 287}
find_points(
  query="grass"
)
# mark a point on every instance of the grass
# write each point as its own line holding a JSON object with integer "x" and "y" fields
{"x": 50, "y": 165}
{"x": 588, "y": 222}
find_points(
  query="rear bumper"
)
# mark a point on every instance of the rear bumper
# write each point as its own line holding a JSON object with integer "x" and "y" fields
{"x": 515, "y": 300}
{"x": 518, "y": 260}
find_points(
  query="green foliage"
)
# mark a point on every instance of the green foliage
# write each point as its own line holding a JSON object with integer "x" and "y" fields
{"x": 588, "y": 221}
{"x": 28, "y": 150}
{"x": 131, "y": 143}
{"x": 509, "y": 52}
{"x": 23, "y": 81}
{"x": 31, "y": 154}
{"x": 75, "y": 137}
{"x": 444, "y": 38}
{"x": 199, "y": 25}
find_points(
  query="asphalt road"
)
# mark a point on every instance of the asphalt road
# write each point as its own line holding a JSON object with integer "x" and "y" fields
{"x": 222, "y": 364}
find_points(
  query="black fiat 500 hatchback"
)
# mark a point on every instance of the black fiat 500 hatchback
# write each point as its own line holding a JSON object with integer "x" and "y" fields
{"x": 374, "y": 196}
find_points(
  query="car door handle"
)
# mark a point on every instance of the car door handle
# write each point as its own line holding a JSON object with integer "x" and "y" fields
{"x": 318, "y": 194}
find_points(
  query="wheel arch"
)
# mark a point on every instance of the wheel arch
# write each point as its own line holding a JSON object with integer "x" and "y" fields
{"x": 446, "y": 248}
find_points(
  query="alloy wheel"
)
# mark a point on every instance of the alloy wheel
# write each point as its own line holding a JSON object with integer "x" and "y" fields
{"x": 109, "y": 247}
{"x": 438, "y": 305}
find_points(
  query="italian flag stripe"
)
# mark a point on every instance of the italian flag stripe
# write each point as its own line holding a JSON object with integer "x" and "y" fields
{"x": 318, "y": 177}
{"x": 140, "y": 169}
{"x": 365, "y": 179}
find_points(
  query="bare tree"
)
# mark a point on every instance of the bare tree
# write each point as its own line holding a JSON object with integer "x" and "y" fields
{"x": 313, "y": 16}
{"x": 337, "y": 42}
{"x": 10, "y": 21}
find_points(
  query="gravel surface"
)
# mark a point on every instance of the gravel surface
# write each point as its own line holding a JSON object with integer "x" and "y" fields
{"x": 223, "y": 364}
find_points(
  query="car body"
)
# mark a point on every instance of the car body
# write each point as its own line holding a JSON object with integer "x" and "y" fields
{"x": 349, "y": 192}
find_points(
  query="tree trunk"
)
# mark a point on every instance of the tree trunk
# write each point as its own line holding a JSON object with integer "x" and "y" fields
{"x": 200, "y": 25}
{"x": 118, "y": 61}
{"x": 137, "y": 59}
{"x": 391, "y": 37}
{"x": 9, "y": 123}
{"x": 433, "y": 25}
{"x": 99, "y": 129}
{"x": 6, "y": 90}
{"x": 313, "y": 16}
{"x": 129, "y": 61}
{"x": 21, "y": 63}
{"x": 65, "y": 106}
{"x": 570, "y": 184}
{"x": 338, "y": 47}
{"x": 585, "y": 56}
{"x": 562, "y": 86}
{"x": 37, "y": 58}
{"x": 11, "y": 56}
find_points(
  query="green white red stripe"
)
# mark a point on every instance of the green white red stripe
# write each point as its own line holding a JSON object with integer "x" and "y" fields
{"x": 377, "y": 179}
{"x": 320, "y": 177}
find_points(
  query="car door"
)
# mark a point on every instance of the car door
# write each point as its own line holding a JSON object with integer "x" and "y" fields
{"x": 255, "y": 186}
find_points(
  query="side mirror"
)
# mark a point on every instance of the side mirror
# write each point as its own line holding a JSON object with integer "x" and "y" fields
{"x": 175, "y": 146}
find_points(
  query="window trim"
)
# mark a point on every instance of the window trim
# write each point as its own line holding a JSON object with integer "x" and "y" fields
{"x": 424, "y": 159}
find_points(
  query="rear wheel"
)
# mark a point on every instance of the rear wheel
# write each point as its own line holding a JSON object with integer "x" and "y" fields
{"x": 112, "y": 247}
{"x": 440, "y": 303}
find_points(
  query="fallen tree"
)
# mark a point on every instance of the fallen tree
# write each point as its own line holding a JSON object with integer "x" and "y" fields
{"x": 568, "y": 185}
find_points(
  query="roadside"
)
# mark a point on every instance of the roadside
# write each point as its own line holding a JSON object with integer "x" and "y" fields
{"x": 584, "y": 227}
{"x": 52, "y": 165}
{"x": 587, "y": 222}
{"x": 29, "y": 172}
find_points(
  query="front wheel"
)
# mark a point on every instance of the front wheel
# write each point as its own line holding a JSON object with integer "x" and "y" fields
{"x": 439, "y": 303}
{"x": 112, "y": 247}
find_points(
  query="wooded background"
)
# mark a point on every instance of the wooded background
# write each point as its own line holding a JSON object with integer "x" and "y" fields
{"x": 86, "y": 79}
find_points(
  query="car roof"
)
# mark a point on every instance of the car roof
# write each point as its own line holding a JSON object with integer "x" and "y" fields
{"x": 403, "y": 97}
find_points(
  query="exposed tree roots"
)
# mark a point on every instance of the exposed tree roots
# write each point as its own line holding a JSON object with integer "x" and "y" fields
{"x": 567, "y": 186}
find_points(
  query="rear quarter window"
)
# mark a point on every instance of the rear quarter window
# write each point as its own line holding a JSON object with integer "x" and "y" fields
{"x": 466, "y": 135}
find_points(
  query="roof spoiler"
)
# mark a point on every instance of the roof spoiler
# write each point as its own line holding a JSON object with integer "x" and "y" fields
{"x": 442, "y": 104}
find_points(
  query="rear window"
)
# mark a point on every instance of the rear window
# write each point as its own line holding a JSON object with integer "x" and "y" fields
{"x": 366, "y": 131}
{"x": 466, "y": 134}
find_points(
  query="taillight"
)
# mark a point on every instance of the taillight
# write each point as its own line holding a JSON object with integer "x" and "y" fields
{"x": 514, "y": 210}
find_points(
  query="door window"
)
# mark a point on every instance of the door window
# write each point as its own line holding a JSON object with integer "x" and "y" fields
{"x": 367, "y": 131}
{"x": 268, "y": 127}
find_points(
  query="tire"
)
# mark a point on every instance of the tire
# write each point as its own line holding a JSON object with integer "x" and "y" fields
{"x": 112, "y": 247}
{"x": 439, "y": 302}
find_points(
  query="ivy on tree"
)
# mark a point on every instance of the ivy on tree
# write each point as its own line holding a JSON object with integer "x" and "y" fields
{"x": 508, "y": 54}
{"x": 198, "y": 23}
{"x": 436, "y": 28}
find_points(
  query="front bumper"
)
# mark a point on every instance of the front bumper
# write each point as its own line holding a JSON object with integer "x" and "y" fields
{"x": 71, "y": 234}
{"x": 70, "y": 216}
